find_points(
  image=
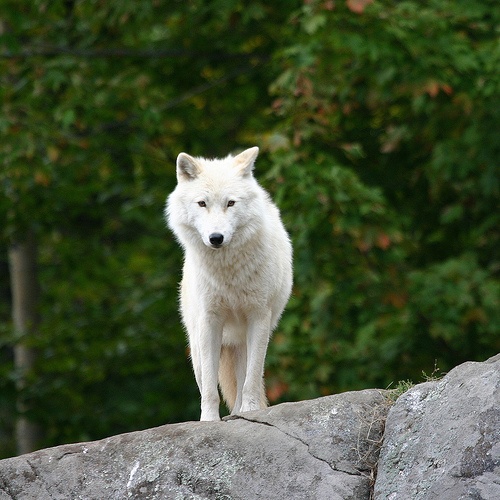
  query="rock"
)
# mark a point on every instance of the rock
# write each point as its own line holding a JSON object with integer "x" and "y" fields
{"x": 442, "y": 439}
{"x": 321, "y": 449}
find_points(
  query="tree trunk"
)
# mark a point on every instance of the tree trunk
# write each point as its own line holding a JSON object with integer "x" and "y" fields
{"x": 25, "y": 298}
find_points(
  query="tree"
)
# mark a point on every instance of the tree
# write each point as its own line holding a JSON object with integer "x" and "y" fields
{"x": 377, "y": 126}
{"x": 25, "y": 302}
{"x": 404, "y": 97}
{"x": 96, "y": 103}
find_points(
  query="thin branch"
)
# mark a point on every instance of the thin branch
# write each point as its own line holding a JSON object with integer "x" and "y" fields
{"x": 119, "y": 52}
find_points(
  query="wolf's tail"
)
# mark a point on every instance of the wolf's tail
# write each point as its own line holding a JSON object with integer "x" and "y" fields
{"x": 227, "y": 378}
{"x": 227, "y": 375}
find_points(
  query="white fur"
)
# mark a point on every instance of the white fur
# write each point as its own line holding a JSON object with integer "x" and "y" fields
{"x": 232, "y": 296}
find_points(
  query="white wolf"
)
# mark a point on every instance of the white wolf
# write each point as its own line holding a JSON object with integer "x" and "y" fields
{"x": 237, "y": 276}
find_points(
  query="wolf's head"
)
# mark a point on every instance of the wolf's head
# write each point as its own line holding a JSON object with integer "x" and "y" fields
{"x": 214, "y": 199}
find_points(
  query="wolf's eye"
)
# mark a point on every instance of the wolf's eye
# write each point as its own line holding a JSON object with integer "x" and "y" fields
{"x": 202, "y": 204}
{"x": 230, "y": 203}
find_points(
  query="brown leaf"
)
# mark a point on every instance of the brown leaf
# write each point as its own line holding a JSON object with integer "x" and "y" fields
{"x": 276, "y": 390}
{"x": 383, "y": 241}
{"x": 41, "y": 178}
{"x": 358, "y": 6}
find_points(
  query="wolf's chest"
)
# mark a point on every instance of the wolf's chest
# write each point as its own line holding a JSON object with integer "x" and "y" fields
{"x": 235, "y": 286}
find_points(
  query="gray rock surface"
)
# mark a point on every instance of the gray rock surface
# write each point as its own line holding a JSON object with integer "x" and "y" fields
{"x": 321, "y": 449}
{"x": 442, "y": 439}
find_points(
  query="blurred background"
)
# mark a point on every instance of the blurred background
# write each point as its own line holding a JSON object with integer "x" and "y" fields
{"x": 379, "y": 128}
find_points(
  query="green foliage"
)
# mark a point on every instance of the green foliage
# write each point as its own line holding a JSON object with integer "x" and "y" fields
{"x": 457, "y": 303}
{"x": 401, "y": 387}
{"x": 394, "y": 91}
{"x": 347, "y": 252}
{"x": 378, "y": 125}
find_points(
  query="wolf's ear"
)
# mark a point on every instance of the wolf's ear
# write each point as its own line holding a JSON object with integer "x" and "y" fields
{"x": 187, "y": 168}
{"x": 244, "y": 162}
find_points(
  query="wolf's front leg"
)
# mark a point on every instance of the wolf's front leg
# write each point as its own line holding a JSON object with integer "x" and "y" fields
{"x": 210, "y": 340}
{"x": 259, "y": 331}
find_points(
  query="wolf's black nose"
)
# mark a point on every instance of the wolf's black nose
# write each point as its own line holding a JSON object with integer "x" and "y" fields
{"x": 216, "y": 239}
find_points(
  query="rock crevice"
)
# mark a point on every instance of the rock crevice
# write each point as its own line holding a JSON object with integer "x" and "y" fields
{"x": 291, "y": 436}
